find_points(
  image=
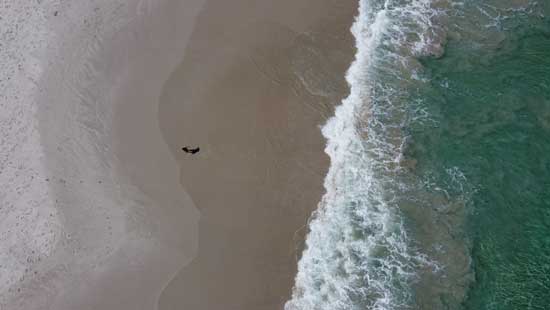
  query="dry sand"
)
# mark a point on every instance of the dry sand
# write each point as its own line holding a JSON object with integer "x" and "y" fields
{"x": 92, "y": 212}
{"x": 258, "y": 79}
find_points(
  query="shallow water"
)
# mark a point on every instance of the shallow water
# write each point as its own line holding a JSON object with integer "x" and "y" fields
{"x": 437, "y": 196}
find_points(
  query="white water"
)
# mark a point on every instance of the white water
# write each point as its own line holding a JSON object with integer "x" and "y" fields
{"x": 358, "y": 254}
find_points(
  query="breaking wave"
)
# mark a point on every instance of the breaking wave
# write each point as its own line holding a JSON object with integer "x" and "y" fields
{"x": 359, "y": 253}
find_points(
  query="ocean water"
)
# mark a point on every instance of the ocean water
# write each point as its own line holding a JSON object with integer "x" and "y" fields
{"x": 438, "y": 193}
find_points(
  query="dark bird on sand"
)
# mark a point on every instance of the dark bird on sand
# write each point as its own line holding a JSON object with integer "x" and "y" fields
{"x": 190, "y": 151}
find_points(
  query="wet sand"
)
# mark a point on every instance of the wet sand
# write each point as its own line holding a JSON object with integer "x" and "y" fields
{"x": 257, "y": 81}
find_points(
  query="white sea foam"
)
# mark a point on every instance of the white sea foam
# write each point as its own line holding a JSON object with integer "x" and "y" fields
{"x": 358, "y": 254}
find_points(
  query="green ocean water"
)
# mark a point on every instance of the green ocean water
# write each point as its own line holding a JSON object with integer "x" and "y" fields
{"x": 489, "y": 104}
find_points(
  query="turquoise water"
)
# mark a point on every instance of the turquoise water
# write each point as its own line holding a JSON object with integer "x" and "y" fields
{"x": 438, "y": 194}
{"x": 490, "y": 97}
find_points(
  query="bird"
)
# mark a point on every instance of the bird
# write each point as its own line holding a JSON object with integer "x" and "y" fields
{"x": 190, "y": 151}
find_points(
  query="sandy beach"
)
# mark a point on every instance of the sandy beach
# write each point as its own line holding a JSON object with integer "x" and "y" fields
{"x": 102, "y": 209}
